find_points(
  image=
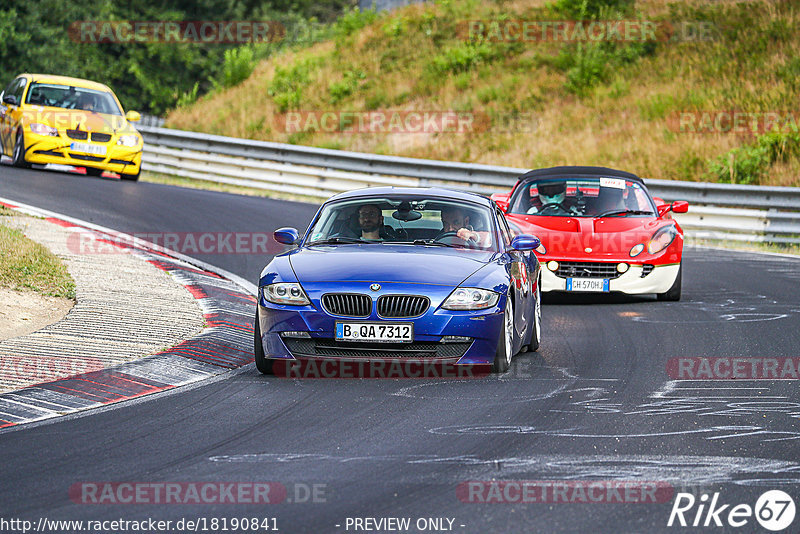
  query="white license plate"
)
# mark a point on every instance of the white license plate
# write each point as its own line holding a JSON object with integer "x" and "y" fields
{"x": 587, "y": 284}
{"x": 98, "y": 150}
{"x": 375, "y": 332}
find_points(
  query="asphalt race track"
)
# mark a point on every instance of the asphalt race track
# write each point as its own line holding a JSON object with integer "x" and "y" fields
{"x": 595, "y": 403}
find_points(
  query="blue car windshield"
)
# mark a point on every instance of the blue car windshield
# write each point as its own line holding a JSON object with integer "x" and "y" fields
{"x": 412, "y": 220}
{"x": 582, "y": 196}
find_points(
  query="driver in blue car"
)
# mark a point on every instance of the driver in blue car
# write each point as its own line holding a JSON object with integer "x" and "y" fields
{"x": 456, "y": 221}
{"x": 552, "y": 199}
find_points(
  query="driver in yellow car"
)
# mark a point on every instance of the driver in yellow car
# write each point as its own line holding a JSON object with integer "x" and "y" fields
{"x": 87, "y": 102}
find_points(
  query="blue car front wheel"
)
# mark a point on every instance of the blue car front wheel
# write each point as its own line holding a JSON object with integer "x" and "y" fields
{"x": 263, "y": 364}
{"x": 505, "y": 345}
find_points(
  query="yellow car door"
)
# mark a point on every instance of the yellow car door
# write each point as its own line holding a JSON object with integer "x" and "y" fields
{"x": 11, "y": 113}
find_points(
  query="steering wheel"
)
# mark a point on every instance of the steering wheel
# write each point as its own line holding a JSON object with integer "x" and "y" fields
{"x": 454, "y": 236}
{"x": 554, "y": 206}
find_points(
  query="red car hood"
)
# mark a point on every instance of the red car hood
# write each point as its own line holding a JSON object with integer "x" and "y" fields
{"x": 570, "y": 237}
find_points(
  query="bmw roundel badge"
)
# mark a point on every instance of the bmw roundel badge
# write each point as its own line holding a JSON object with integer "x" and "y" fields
{"x": 375, "y": 287}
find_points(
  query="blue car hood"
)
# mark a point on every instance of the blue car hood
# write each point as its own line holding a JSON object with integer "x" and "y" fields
{"x": 387, "y": 263}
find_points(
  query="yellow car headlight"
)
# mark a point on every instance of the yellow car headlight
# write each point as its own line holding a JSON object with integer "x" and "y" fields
{"x": 43, "y": 129}
{"x": 128, "y": 140}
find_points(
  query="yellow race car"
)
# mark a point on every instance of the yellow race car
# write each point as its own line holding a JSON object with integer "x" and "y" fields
{"x": 69, "y": 121}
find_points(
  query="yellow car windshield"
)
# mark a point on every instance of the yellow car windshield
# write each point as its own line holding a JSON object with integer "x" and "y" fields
{"x": 70, "y": 97}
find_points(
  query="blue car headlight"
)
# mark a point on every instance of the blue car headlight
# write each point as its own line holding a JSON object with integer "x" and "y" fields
{"x": 289, "y": 293}
{"x": 470, "y": 298}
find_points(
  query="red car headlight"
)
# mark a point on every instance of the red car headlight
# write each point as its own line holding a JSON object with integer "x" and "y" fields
{"x": 661, "y": 239}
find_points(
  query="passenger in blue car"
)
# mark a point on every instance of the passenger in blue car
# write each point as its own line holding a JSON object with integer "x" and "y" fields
{"x": 370, "y": 221}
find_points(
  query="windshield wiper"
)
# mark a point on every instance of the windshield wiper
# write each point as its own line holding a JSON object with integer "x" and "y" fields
{"x": 337, "y": 241}
{"x": 624, "y": 212}
{"x": 433, "y": 243}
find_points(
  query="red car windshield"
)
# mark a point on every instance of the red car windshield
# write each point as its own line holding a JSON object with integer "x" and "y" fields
{"x": 582, "y": 197}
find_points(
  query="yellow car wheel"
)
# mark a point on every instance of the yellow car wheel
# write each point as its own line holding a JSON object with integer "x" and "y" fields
{"x": 129, "y": 177}
{"x": 19, "y": 152}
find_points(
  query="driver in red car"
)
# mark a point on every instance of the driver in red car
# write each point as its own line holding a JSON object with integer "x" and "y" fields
{"x": 552, "y": 198}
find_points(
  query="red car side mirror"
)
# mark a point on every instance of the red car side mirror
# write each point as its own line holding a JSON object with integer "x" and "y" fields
{"x": 680, "y": 206}
{"x": 501, "y": 199}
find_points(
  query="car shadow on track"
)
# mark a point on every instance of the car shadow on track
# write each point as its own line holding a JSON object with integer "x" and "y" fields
{"x": 582, "y": 299}
{"x": 76, "y": 172}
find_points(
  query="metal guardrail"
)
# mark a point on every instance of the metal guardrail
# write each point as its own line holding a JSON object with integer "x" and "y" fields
{"x": 150, "y": 120}
{"x": 718, "y": 211}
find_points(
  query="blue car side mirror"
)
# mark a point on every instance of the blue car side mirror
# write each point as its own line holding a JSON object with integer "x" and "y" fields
{"x": 524, "y": 242}
{"x": 286, "y": 236}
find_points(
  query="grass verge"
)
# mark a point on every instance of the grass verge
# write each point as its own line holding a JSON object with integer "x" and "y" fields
{"x": 27, "y": 265}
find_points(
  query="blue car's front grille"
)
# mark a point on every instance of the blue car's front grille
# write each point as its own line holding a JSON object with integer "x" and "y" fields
{"x": 300, "y": 347}
{"x": 347, "y": 304}
{"x": 402, "y": 305}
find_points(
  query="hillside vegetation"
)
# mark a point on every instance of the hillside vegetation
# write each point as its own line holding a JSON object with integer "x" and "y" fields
{"x": 612, "y": 103}
{"x": 151, "y": 75}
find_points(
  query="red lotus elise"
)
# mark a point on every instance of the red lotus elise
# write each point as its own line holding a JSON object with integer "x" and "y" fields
{"x": 600, "y": 229}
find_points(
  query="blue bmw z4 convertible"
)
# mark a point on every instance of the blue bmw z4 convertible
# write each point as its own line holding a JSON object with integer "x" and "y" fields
{"x": 429, "y": 275}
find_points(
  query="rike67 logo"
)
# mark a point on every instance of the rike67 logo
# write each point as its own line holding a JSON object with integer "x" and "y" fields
{"x": 774, "y": 510}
